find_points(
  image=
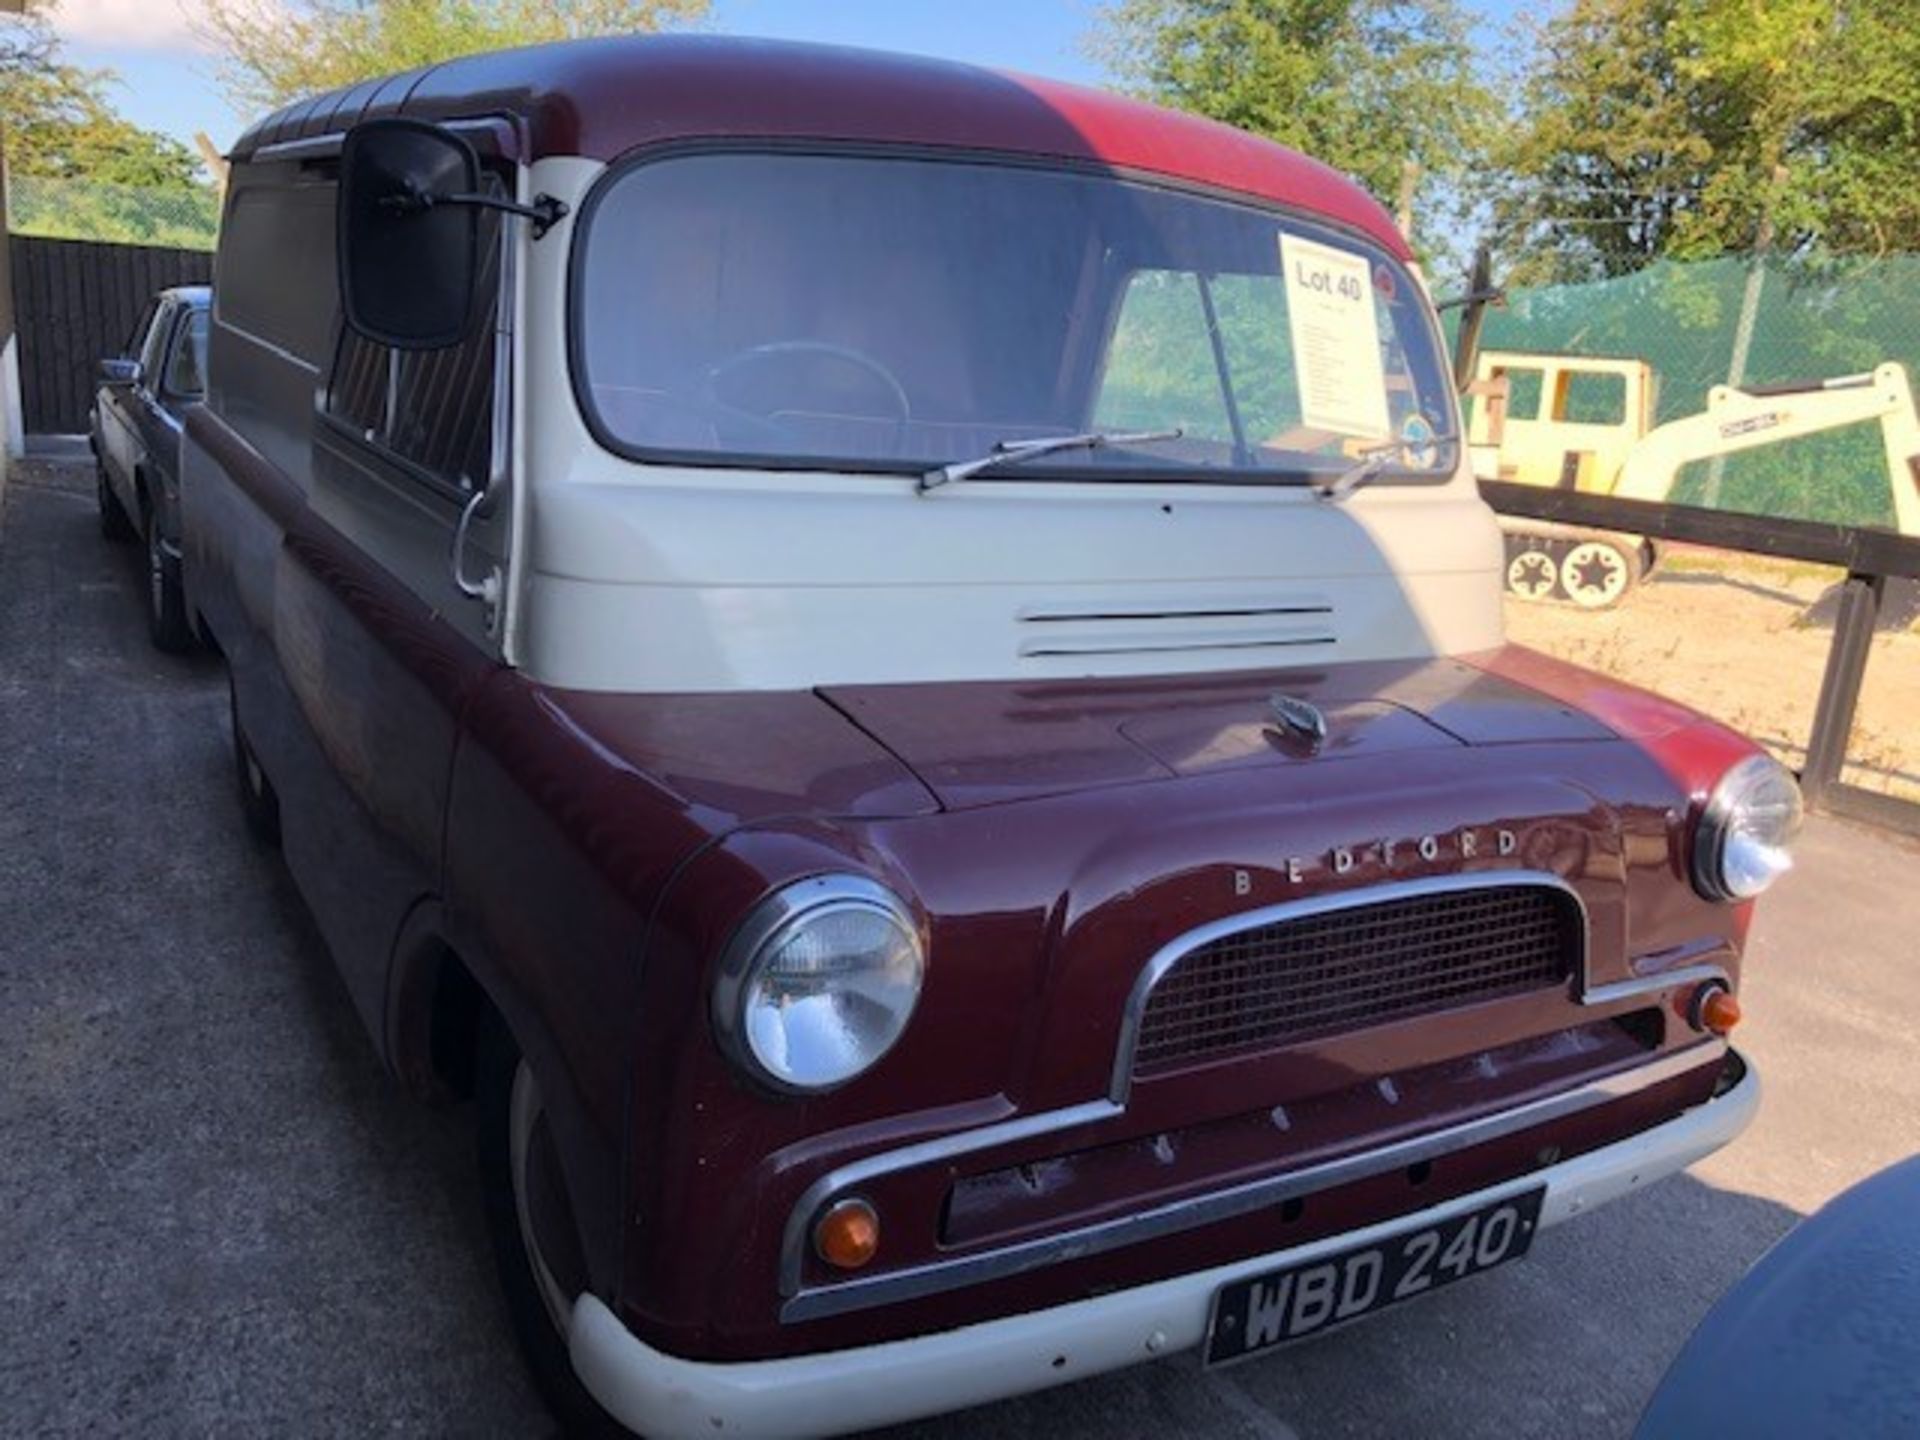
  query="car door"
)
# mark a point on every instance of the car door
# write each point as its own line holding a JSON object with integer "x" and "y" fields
{"x": 157, "y": 414}
{"x": 115, "y": 406}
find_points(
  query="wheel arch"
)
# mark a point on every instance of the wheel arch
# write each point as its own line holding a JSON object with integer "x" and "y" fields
{"x": 434, "y": 1002}
{"x": 437, "y": 995}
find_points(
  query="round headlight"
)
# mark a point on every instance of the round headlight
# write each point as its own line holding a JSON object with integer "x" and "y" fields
{"x": 818, "y": 982}
{"x": 1751, "y": 818}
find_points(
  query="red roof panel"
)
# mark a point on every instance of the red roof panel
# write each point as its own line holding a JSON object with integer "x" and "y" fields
{"x": 603, "y": 98}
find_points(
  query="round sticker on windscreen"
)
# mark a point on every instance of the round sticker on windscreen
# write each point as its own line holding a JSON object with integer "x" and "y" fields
{"x": 1383, "y": 282}
{"x": 1416, "y": 438}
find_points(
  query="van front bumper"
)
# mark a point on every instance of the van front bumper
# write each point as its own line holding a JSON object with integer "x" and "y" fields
{"x": 662, "y": 1396}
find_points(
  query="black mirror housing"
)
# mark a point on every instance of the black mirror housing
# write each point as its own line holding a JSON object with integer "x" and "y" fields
{"x": 119, "y": 372}
{"x": 409, "y": 247}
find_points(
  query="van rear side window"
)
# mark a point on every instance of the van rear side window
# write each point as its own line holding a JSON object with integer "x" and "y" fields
{"x": 277, "y": 282}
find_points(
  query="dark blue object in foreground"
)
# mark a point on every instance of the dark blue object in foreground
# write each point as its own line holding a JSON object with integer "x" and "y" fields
{"x": 1821, "y": 1337}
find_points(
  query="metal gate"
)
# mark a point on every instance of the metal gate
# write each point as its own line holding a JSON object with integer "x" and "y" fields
{"x": 75, "y": 302}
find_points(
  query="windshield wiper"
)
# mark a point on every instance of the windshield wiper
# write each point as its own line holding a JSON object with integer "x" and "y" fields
{"x": 1369, "y": 465}
{"x": 1008, "y": 452}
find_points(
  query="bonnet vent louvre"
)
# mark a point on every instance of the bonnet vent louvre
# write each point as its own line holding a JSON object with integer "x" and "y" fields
{"x": 1136, "y": 628}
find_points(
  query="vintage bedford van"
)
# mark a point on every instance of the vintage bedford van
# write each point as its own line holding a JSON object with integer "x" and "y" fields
{"x": 900, "y": 670}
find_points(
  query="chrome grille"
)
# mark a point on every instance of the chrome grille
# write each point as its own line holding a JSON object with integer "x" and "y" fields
{"x": 1342, "y": 969}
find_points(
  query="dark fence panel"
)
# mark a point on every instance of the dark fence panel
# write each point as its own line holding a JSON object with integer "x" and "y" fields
{"x": 76, "y": 301}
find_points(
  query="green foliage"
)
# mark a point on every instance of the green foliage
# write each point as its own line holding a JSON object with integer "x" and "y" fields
{"x": 1680, "y": 128}
{"x": 274, "y": 51}
{"x": 182, "y": 217}
{"x": 60, "y": 124}
{"x": 1364, "y": 85}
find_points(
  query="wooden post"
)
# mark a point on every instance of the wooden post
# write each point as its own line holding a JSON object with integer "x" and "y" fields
{"x": 1853, "y": 625}
{"x": 12, "y": 443}
{"x": 215, "y": 162}
{"x": 1409, "y": 183}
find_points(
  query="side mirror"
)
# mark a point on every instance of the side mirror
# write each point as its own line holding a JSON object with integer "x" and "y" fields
{"x": 119, "y": 372}
{"x": 408, "y": 233}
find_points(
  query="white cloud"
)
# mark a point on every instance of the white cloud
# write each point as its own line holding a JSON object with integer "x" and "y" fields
{"x": 147, "y": 24}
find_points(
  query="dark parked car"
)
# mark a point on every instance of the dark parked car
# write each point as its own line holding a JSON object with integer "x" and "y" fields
{"x": 135, "y": 432}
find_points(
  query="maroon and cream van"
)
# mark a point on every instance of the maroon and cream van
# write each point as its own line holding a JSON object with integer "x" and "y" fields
{"x": 900, "y": 670}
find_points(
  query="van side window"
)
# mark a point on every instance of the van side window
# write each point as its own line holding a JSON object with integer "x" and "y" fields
{"x": 432, "y": 409}
{"x": 276, "y": 273}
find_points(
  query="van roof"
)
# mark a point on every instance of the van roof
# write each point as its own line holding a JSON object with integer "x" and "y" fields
{"x": 603, "y": 98}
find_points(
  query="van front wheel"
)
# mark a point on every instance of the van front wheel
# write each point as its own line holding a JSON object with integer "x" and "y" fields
{"x": 531, "y": 1223}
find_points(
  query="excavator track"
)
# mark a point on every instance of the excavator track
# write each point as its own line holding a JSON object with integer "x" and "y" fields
{"x": 1569, "y": 565}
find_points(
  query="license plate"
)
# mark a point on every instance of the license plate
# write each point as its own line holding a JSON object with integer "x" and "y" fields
{"x": 1257, "y": 1314}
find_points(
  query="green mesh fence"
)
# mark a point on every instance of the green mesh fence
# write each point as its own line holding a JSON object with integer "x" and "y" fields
{"x": 1683, "y": 319}
{"x": 184, "y": 219}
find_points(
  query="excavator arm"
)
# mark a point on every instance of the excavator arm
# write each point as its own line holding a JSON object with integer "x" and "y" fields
{"x": 1746, "y": 419}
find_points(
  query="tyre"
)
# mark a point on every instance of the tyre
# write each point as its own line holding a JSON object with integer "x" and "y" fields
{"x": 531, "y": 1223}
{"x": 113, "y": 520}
{"x": 258, "y": 803}
{"x": 167, "y": 623}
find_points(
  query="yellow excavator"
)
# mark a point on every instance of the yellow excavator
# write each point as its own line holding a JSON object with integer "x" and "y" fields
{"x": 1584, "y": 423}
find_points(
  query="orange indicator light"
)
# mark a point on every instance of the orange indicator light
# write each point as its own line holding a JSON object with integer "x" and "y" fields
{"x": 848, "y": 1235}
{"x": 1719, "y": 1011}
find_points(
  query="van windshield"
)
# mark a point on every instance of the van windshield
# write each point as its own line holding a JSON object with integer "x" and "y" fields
{"x": 834, "y": 311}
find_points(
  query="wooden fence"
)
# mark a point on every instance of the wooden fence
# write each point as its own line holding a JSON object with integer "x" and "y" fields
{"x": 75, "y": 302}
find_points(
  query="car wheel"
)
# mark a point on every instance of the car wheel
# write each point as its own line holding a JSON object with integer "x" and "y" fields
{"x": 258, "y": 802}
{"x": 113, "y": 520}
{"x": 167, "y": 623}
{"x": 534, "y": 1245}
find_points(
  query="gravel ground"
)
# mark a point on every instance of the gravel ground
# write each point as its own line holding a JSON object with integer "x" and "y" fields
{"x": 1745, "y": 640}
{"x": 217, "y": 1216}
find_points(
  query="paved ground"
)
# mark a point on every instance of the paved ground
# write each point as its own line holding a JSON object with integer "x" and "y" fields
{"x": 216, "y": 1217}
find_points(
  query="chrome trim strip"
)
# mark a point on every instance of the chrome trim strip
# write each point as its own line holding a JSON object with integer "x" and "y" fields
{"x": 1190, "y": 1214}
{"x": 326, "y": 146}
{"x": 1645, "y": 985}
{"x": 308, "y": 147}
{"x": 793, "y": 1244}
{"x": 1174, "y": 951}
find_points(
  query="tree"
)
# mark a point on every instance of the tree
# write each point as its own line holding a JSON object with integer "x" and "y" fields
{"x": 60, "y": 125}
{"x": 1686, "y": 128}
{"x": 274, "y": 51}
{"x": 1364, "y": 85}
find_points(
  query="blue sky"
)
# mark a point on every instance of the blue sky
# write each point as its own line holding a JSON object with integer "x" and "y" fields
{"x": 167, "y": 85}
